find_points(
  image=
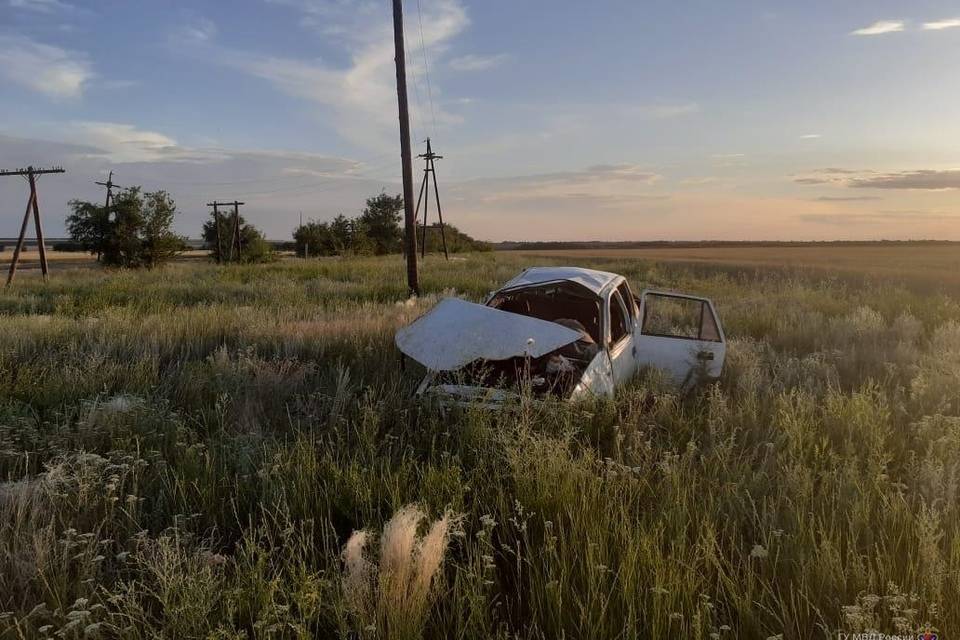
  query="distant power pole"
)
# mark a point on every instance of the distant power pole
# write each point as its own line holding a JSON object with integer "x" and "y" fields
{"x": 236, "y": 244}
{"x": 216, "y": 222}
{"x": 409, "y": 221}
{"x": 306, "y": 242}
{"x": 235, "y": 235}
{"x": 109, "y": 184}
{"x": 31, "y": 175}
{"x": 429, "y": 169}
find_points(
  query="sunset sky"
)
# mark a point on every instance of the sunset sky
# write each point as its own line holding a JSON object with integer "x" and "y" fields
{"x": 615, "y": 120}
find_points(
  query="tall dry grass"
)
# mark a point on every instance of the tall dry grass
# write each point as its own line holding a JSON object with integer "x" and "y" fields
{"x": 188, "y": 452}
{"x": 391, "y": 597}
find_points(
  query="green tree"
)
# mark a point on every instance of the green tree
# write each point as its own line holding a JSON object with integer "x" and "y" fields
{"x": 337, "y": 237}
{"x": 380, "y": 223}
{"x": 124, "y": 247}
{"x": 159, "y": 243}
{"x": 457, "y": 241}
{"x": 89, "y": 226}
{"x": 254, "y": 247}
{"x": 314, "y": 239}
{"x": 135, "y": 232}
{"x": 376, "y": 230}
{"x": 341, "y": 230}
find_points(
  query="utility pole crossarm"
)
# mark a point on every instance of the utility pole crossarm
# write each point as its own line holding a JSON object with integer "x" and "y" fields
{"x": 29, "y": 170}
{"x": 110, "y": 184}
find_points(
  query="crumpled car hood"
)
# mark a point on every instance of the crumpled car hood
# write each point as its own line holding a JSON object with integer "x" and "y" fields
{"x": 456, "y": 332}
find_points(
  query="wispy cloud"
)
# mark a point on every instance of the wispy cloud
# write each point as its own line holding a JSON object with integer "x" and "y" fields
{"x": 196, "y": 31}
{"x": 41, "y": 6}
{"x": 920, "y": 179}
{"x": 937, "y": 25}
{"x": 663, "y": 111}
{"x": 879, "y": 28}
{"x": 829, "y": 175}
{"x": 122, "y": 142}
{"x": 879, "y": 217}
{"x": 611, "y": 188}
{"x": 632, "y": 172}
{"x": 841, "y": 171}
{"x": 925, "y": 179}
{"x": 599, "y": 174}
{"x": 846, "y": 198}
{"x": 361, "y": 95}
{"x": 50, "y": 70}
{"x": 811, "y": 136}
{"x": 471, "y": 62}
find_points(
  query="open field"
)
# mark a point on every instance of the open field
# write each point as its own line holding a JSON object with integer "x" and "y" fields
{"x": 30, "y": 260}
{"x": 184, "y": 453}
{"x": 926, "y": 265}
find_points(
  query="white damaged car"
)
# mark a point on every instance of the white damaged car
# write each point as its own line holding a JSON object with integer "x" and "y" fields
{"x": 565, "y": 332}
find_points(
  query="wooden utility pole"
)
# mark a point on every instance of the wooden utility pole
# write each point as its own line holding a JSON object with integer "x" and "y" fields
{"x": 306, "y": 242}
{"x": 216, "y": 221}
{"x": 409, "y": 220}
{"x": 235, "y": 233}
{"x": 429, "y": 169}
{"x": 31, "y": 175}
{"x": 109, "y": 184}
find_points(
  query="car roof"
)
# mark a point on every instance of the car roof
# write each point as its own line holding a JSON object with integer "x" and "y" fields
{"x": 595, "y": 281}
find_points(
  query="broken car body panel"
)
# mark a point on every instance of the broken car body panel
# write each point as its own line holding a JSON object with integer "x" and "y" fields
{"x": 456, "y": 332}
{"x": 565, "y": 332}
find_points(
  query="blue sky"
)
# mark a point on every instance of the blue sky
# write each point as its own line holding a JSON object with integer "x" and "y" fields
{"x": 558, "y": 120}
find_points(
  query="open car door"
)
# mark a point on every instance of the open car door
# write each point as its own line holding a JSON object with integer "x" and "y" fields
{"x": 680, "y": 335}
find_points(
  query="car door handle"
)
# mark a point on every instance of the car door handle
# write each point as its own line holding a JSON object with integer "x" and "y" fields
{"x": 705, "y": 355}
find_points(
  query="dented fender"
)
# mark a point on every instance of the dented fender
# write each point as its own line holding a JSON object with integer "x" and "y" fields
{"x": 597, "y": 379}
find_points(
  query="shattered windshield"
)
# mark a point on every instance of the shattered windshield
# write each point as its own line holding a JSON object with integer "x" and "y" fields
{"x": 565, "y": 303}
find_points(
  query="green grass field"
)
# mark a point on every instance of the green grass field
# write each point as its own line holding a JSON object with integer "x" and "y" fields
{"x": 185, "y": 453}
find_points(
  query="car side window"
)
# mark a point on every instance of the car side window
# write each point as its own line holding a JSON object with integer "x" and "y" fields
{"x": 619, "y": 326}
{"x": 708, "y": 324}
{"x": 628, "y": 300}
{"x": 677, "y": 317}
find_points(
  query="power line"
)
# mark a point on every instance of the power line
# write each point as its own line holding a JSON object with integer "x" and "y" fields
{"x": 251, "y": 181}
{"x": 243, "y": 181}
{"x": 312, "y": 187}
{"x": 228, "y": 183}
{"x": 426, "y": 69}
{"x": 412, "y": 115}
